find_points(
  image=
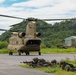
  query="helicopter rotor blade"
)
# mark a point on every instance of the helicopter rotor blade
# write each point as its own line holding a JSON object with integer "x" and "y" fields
{"x": 3, "y": 30}
{"x": 33, "y": 19}
{"x": 12, "y": 17}
{"x": 59, "y": 19}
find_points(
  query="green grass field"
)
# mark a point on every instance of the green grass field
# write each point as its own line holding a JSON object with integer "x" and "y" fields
{"x": 57, "y": 50}
{"x": 4, "y": 51}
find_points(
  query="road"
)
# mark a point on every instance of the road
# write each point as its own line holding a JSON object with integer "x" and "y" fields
{"x": 9, "y": 64}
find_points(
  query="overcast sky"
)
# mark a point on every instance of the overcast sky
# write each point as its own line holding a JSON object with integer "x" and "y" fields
{"x": 35, "y": 8}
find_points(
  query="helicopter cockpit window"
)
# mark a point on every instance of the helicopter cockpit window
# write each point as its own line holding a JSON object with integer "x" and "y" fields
{"x": 33, "y": 43}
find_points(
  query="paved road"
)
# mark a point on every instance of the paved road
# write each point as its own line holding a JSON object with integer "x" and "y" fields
{"x": 9, "y": 64}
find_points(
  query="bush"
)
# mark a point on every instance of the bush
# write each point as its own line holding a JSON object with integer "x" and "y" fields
{"x": 43, "y": 45}
{"x": 3, "y": 44}
{"x": 4, "y": 51}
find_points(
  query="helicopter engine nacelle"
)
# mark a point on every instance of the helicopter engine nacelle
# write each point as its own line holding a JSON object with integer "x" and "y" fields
{"x": 21, "y": 34}
{"x": 38, "y": 34}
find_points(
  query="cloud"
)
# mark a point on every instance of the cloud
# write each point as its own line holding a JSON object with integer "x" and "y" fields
{"x": 2, "y": 1}
{"x": 50, "y": 6}
{"x": 38, "y": 9}
{"x": 33, "y": 3}
{"x": 44, "y": 7}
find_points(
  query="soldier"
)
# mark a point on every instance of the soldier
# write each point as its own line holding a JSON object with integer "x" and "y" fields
{"x": 66, "y": 66}
{"x": 43, "y": 63}
{"x": 35, "y": 60}
{"x": 54, "y": 63}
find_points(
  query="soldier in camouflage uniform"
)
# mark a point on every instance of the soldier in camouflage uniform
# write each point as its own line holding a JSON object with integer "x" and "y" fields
{"x": 66, "y": 66}
{"x": 41, "y": 62}
{"x": 54, "y": 63}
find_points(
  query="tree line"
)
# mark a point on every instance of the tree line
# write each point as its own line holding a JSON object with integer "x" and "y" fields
{"x": 51, "y": 35}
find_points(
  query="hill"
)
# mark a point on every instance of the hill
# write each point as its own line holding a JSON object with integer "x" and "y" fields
{"x": 52, "y": 35}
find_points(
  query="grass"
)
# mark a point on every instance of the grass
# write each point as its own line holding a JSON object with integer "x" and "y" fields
{"x": 44, "y": 69}
{"x": 60, "y": 72}
{"x": 55, "y": 71}
{"x": 4, "y": 51}
{"x": 57, "y": 50}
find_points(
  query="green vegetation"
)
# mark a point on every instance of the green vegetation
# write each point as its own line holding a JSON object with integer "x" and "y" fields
{"x": 3, "y": 44}
{"x": 57, "y": 50}
{"x": 3, "y": 48}
{"x": 60, "y": 72}
{"x": 52, "y": 35}
{"x": 47, "y": 70}
{"x": 55, "y": 70}
{"x": 4, "y": 51}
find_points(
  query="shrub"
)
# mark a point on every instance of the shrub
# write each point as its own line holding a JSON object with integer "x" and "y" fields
{"x": 3, "y": 44}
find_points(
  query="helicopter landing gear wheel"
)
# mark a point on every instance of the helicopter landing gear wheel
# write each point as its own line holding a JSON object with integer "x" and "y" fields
{"x": 39, "y": 53}
{"x": 19, "y": 53}
{"x": 27, "y": 53}
{"x": 10, "y": 53}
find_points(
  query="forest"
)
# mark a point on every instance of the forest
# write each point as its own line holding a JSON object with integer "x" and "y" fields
{"x": 52, "y": 35}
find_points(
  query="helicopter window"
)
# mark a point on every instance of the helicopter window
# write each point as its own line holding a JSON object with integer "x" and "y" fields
{"x": 33, "y": 42}
{"x": 15, "y": 42}
{"x": 12, "y": 42}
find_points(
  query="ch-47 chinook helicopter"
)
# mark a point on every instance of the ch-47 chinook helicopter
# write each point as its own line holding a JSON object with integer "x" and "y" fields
{"x": 28, "y": 41}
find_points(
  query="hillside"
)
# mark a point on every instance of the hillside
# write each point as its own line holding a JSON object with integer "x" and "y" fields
{"x": 52, "y": 35}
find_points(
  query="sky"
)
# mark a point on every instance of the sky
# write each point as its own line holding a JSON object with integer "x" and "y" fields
{"x": 42, "y": 9}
